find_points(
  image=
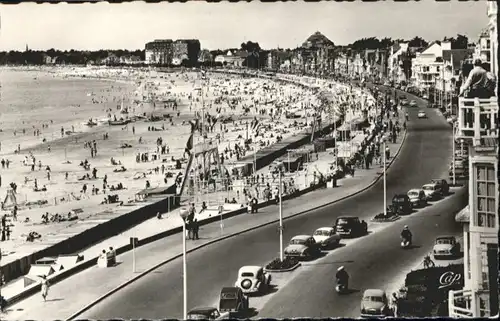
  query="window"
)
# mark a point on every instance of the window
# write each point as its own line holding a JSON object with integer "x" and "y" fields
{"x": 426, "y": 69}
{"x": 485, "y": 201}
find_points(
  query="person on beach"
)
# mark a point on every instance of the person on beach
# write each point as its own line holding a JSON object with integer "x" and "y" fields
{"x": 45, "y": 287}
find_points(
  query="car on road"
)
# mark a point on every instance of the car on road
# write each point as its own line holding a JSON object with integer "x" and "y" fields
{"x": 417, "y": 197}
{"x": 404, "y": 102}
{"x": 206, "y": 313}
{"x": 232, "y": 301}
{"x": 421, "y": 114}
{"x": 302, "y": 247}
{"x": 350, "y": 226}
{"x": 374, "y": 303}
{"x": 413, "y": 103}
{"x": 253, "y": 279}
{"x": 431, "y": 191}
{"x": 425, "y": 96}
{"x": 446, "y": 247}
{"x": 326, "y": 237}
{"x": 401, "y": 204}
{"x": 442, "y": 185}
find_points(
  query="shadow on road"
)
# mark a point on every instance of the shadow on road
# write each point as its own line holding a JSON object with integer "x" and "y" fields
{"x": 247, "y": 314}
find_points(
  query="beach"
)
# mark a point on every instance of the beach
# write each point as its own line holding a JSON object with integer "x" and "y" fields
{"x": 46, "y": 138}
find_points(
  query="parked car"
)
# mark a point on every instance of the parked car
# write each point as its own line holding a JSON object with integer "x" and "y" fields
{"x": 451, "y": 119}
{"x": 206, "y": 313}
{"x": 404, "y": 102}
{"x": 401, "y": 204}
{"x": 413, "y": 103}
{"x": 326, "y": 237}
{"x": 425, "y": 96}
{"x": 232, "y": 301}
{"x": 442, "y": 185}
{"x": 431, "y": 191}
{"x": 446, "y": 247}
{"x": 302, "y": 247}
{"x": 350, "y": 226}
{"x": 421, "y": 114}
{"x": 374, "y": 303}
{"x": 253, "y": 279}
{"x": 417, "y": 197}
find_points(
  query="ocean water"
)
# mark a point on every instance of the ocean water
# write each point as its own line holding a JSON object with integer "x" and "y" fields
{"x": 30, "y": 98}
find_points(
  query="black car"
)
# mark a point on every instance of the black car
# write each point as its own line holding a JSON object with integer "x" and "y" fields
{"x": 443, "y": 186}
{"x": 232, "y": 301}
{"x": 350, "y": 226}
{"x": 401, "y": 204}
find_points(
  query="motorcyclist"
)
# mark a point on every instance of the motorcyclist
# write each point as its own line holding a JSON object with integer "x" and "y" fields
{"x": 406, "y": 234}
{"x": 342, "y": 277}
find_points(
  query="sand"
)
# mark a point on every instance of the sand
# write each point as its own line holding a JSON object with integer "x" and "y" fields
{"x": 66, "y": 152}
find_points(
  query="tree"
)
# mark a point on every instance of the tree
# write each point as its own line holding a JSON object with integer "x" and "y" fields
{"x": 417, "y": 42}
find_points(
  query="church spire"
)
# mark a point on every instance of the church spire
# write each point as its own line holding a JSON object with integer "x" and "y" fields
{"x": 27, "y": 49}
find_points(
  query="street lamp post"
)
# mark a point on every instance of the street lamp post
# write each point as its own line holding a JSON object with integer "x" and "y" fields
{"x": 385, "y": 181}
{"x": 453, "y": 151}
{"x": 281, "y": 214}
{"x": 184, "y": 214}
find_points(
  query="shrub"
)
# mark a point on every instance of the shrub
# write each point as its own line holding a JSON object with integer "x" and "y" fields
{"x": 277, "y": 264}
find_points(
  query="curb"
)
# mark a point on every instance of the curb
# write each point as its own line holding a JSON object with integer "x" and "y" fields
{"x": 142, "y": 274}
{"x": 389, "y": 220}
{"x": 284, "y": 270}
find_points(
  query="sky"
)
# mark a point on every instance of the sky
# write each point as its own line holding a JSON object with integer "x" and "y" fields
{"x": 226, "y": 25}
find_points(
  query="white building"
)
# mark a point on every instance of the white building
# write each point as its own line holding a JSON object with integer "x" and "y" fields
{"x": 427, "y": 64}
{"x": 396, "y": 71}
{"x": 483, "y": 46}
{"x": 231, "y": 59}
{"x": 478, "y": 125}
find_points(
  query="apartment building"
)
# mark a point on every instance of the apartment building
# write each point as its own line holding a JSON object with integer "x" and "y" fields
{"x": 159, "y": 52}
{"x": 482, "y": 49}
{"x": 396, "y": 67}
{"x": 427, "y": 64}
{"x": 478, "y": 126}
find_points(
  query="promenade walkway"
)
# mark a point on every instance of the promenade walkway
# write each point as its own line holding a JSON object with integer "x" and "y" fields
{"x": 72, "y": 294}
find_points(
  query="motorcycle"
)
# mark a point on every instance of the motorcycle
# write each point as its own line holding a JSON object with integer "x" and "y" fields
{"x": 405, "y": 243}
{"x": 341, "y": 288}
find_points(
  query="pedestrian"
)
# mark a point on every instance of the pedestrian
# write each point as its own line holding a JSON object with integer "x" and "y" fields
{"x": 45, "y": 287}
{"x": 195, "y": 227}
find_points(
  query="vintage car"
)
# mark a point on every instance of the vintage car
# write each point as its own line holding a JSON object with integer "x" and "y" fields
{"x": 326, "y": 237}
{"x": 253, "y": 279}
{"x": 206, "y": 313}
{"x": 446, "y": 247}
{"x": 302, "y": 247}
{"x": 232, "y": 301}
{"x": 442, "y": 185}
{"x": 413, "y": 103}
{"x": 404, "y": 102}
{"x": 431, "y": 191}
{"x": 421, "y": 114}
{"x": 417, "y": 197}
{"x": 401, "y": 204}
{"x": 374, "y": 304}
{"x": 350, "y": 226}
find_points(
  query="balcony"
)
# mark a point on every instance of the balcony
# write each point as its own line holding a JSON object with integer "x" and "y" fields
{"x": 460, "y": 304}
{"x": 478, "y": 120}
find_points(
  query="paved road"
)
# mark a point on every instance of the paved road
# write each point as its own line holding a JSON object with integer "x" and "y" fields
{"x": 158, "y": 295}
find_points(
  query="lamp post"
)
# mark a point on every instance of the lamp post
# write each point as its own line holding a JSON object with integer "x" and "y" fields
{"x": 453, "y": 152}
{"x": 184, "y": 214}
{"x": 281, "y": 214}
{"x": 385, "y": 181}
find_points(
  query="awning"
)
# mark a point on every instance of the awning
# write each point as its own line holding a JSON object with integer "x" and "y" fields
{"x": 464, "y": 215}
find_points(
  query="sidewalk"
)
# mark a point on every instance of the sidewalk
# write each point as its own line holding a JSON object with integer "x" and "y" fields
{"x": 94, "y": 282}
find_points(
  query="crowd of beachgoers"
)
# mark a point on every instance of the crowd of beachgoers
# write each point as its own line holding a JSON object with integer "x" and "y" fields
{"x": 128, "y": 138}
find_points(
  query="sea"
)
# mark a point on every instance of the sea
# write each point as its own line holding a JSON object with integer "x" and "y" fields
{"x": 30, "y": 98}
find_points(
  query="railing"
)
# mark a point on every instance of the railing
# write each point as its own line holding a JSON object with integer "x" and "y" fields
{"x": 459, "y": 304}
{"x": 477, "y": 119}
